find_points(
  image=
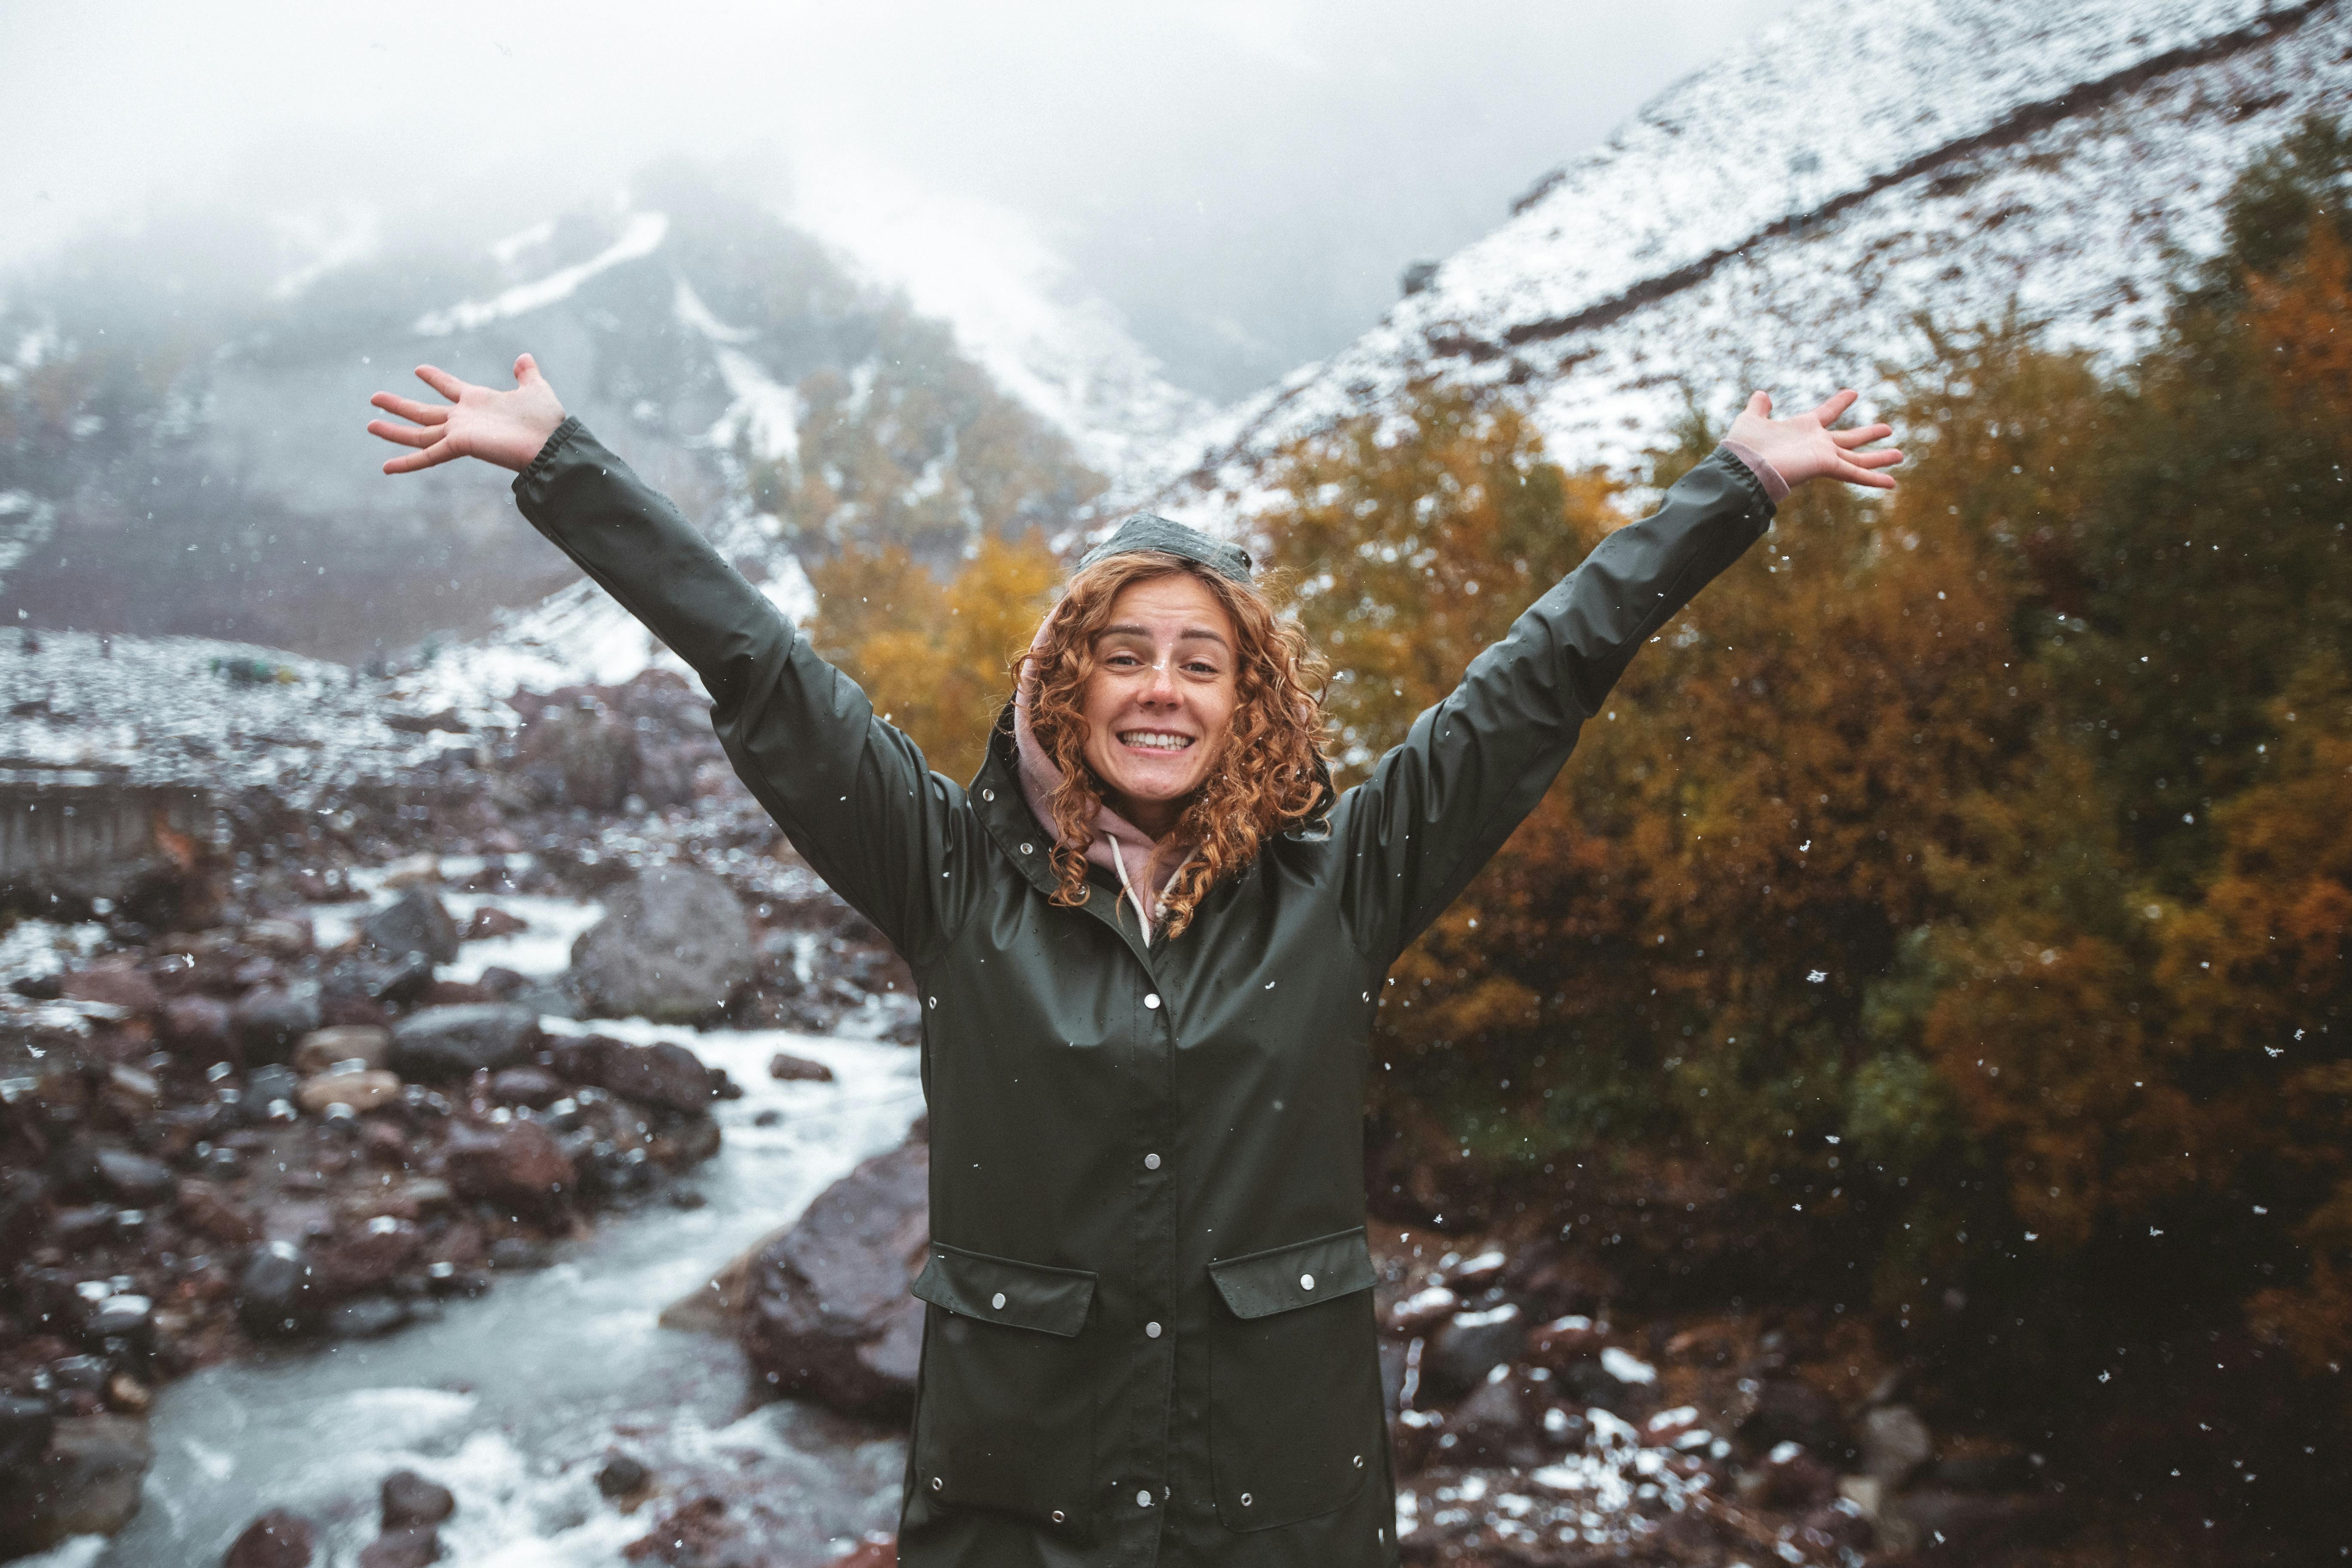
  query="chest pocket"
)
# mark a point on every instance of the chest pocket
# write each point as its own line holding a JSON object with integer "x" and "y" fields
{"x": 1006, "y": 1416}
{"x": 1293, "y": 1381}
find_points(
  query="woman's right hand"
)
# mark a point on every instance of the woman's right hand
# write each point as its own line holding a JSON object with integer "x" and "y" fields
{"x": 503, "y": 428}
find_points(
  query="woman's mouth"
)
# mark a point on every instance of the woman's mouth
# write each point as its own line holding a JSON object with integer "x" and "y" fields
{"x": 1154, "y": 740}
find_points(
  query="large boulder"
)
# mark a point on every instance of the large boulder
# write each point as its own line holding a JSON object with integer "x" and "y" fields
{"x": 660, "y": 1074}
{"x": 828, "y": 1314}
{"x": 673, "y": 944}
{"x": 276, "y": 1540}
{"x": 417, "y": 921}
{"x": 435, "y": 1044}
{"x": 86, "y": 1481}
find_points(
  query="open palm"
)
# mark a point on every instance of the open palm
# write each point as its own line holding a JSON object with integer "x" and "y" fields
{"x": 503, "y": 428}
{"x": 1804, "y": 447}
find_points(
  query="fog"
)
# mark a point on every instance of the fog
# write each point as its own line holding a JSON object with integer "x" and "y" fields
{"x": 1243, "y": 181}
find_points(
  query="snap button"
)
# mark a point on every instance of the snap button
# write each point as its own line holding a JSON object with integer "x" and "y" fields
{"x": 1144, "y": 1498}
{"x": 1152, "y": 1331}
{"x": 1152, "y": 1000}
{"x": 1360, "y": 1461}
{"x": 935, "y": 1483}
{"x": 997, "y": 1300}
{"x": 990, "y": 794}
{"x": 1246, "y": 1499}
{"x": 1151, "y": 1162}
{"x": 1306, "y": 1282}
{"x": 1025, "y": 848}
{"x": 1057, "y": 1516}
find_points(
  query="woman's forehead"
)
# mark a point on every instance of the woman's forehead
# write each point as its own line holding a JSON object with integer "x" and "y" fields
{"x": 1177, "y": 605}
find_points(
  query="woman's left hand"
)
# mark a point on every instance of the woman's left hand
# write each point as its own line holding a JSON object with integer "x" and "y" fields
{"x": 1805, "y": 447}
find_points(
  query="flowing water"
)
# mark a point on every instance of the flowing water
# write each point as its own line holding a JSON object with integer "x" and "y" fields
{"x": 513, "y": 1400}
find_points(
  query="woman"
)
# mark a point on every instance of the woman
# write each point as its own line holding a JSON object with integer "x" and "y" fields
{"x": 1148, "y": 940}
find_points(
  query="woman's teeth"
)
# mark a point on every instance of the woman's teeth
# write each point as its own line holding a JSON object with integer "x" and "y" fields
{"x": 1156, "y": 741}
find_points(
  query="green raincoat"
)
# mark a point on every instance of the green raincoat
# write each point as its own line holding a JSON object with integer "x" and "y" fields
{"x": 1150, "y": 1337}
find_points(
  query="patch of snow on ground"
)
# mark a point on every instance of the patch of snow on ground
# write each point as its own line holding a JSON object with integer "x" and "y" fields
{"x": 641, "y": 238}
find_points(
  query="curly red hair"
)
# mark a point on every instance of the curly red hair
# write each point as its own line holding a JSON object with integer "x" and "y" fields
{"x": 1265, "y": 777}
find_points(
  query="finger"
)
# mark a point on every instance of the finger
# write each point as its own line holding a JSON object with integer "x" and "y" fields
{"x": 1885, "y": 457}
{"x": 526, "y": 370}
{"x": 440, "y": 452}
{"x": 1861, "y": 435}
{"x": 1853, "y": 475}
{"x": 441, "y": 381}
{"x": 404, "y": 435}
{"x": 409, "y": 408}
{"x": 1833, "y": 408}
{"x": 1759, "y": 405}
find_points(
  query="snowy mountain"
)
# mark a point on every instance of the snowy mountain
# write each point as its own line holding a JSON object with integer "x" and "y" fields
{"x": 181, "y": 449}
{"x": 1778, "y": 219}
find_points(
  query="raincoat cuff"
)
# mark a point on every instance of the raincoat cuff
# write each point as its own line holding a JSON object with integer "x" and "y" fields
{"x": 537, "y": 472}
{"x": 1760, "y": 468}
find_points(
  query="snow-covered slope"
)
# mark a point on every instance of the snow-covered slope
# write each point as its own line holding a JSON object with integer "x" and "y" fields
{"x": 1779, "y": 218}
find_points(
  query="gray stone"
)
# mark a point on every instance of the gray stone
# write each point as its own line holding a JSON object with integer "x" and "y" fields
{"x": 1790, "y": 1410}
{"x": 412, "y": 1547}
{"x": 84, "y": 1482}
{"x": 437, "y": 1044}
{"x": 516, "y": 1162}
{"x": 659, "y": 1074}
{"x": 323, "y": 1049}
{"x": 417, "y": 921}
{"x": 269, "y": 1020}
{"x": 787, "y": 1068}
{"x": 278, "y": 1296}
{"x": 134, "y": 1178}
{"x": 24, "y": 1428}
{"x": 673, "y": 944}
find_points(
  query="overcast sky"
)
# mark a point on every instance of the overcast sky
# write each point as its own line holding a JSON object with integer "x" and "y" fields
{"x": 1244, "y": 180}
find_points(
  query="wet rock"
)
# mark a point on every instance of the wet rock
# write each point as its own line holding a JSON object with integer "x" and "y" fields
{"x": 285, "y": 936}
{"x": 362, "y": 1091}
{"x": 367, "y": 1258}
{"x": 515, "y": 1162}
{"x": 673, "y": 943}
{"x": 828, "y": 1312}
{"x": 358, "y": 989}
{"x": 412, "y": 1547}
{"x": 874, "y": 1552}
{"x": 417, "y": 921}
{"x": 365, "y": 1317}
{"x": 1895, "y": 1445}
{"x": 1960, "y": 1527}
{"x": 409, "y": 1500}
{"x": 531, "y": 1086}
{"x": 278, "y": 1296}
{"x": 1790, "y": 1410}
{"x": 115, "y": 980}
{"x": 489, "y": 920}
{"x": 24, "y": 1428}
{"x": 86, "y": 1481}
{"x": 134, "y": 1178}
{"x": 437, "y": 1043}
{"x": 269, "y": 1020}
{"x": 572, "y": 757}
{"x": 128, "y": 1096}
{"x": 788, "y": 1068}
{"x": 1468, "y": 1345}
{"x": 1494, "y": 1426}
{"x": 659, "y": 1074}
{"x": 199, "y": 1029}
{"x": 1790, "y": 1477}
{"x": 515, "y": 1255}
{"x": 621, "y": 1475}
{"x": 264, "y": 1087}
{"x": 276, "y": 1540}
{"x": 26, "y": 1210}
{"x": 1563, "y": 1342}
{"x": 368, "y": 1043}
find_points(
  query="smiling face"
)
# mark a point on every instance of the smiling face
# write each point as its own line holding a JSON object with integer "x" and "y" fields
{"x": 1161, "y": 697}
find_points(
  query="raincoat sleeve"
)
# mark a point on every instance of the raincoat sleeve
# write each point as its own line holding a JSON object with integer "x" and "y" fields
{"x": 1438, "y": 805}
{"x": 851, "y": 791}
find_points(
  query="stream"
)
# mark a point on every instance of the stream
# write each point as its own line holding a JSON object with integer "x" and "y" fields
{"x": 514, "y": 1399}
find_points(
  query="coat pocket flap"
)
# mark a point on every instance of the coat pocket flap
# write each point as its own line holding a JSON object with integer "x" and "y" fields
{"x": 1003, "y": 1291}
{"x": 1260, "y": 1284}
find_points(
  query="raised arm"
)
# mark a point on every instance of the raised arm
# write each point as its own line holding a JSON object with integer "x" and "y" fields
{"x": 1439, "y": 804}
{"x": 851, "y": 791}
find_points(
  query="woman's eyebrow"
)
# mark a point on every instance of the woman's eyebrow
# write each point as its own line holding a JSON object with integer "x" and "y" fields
{"x": 1188, "y": 635}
